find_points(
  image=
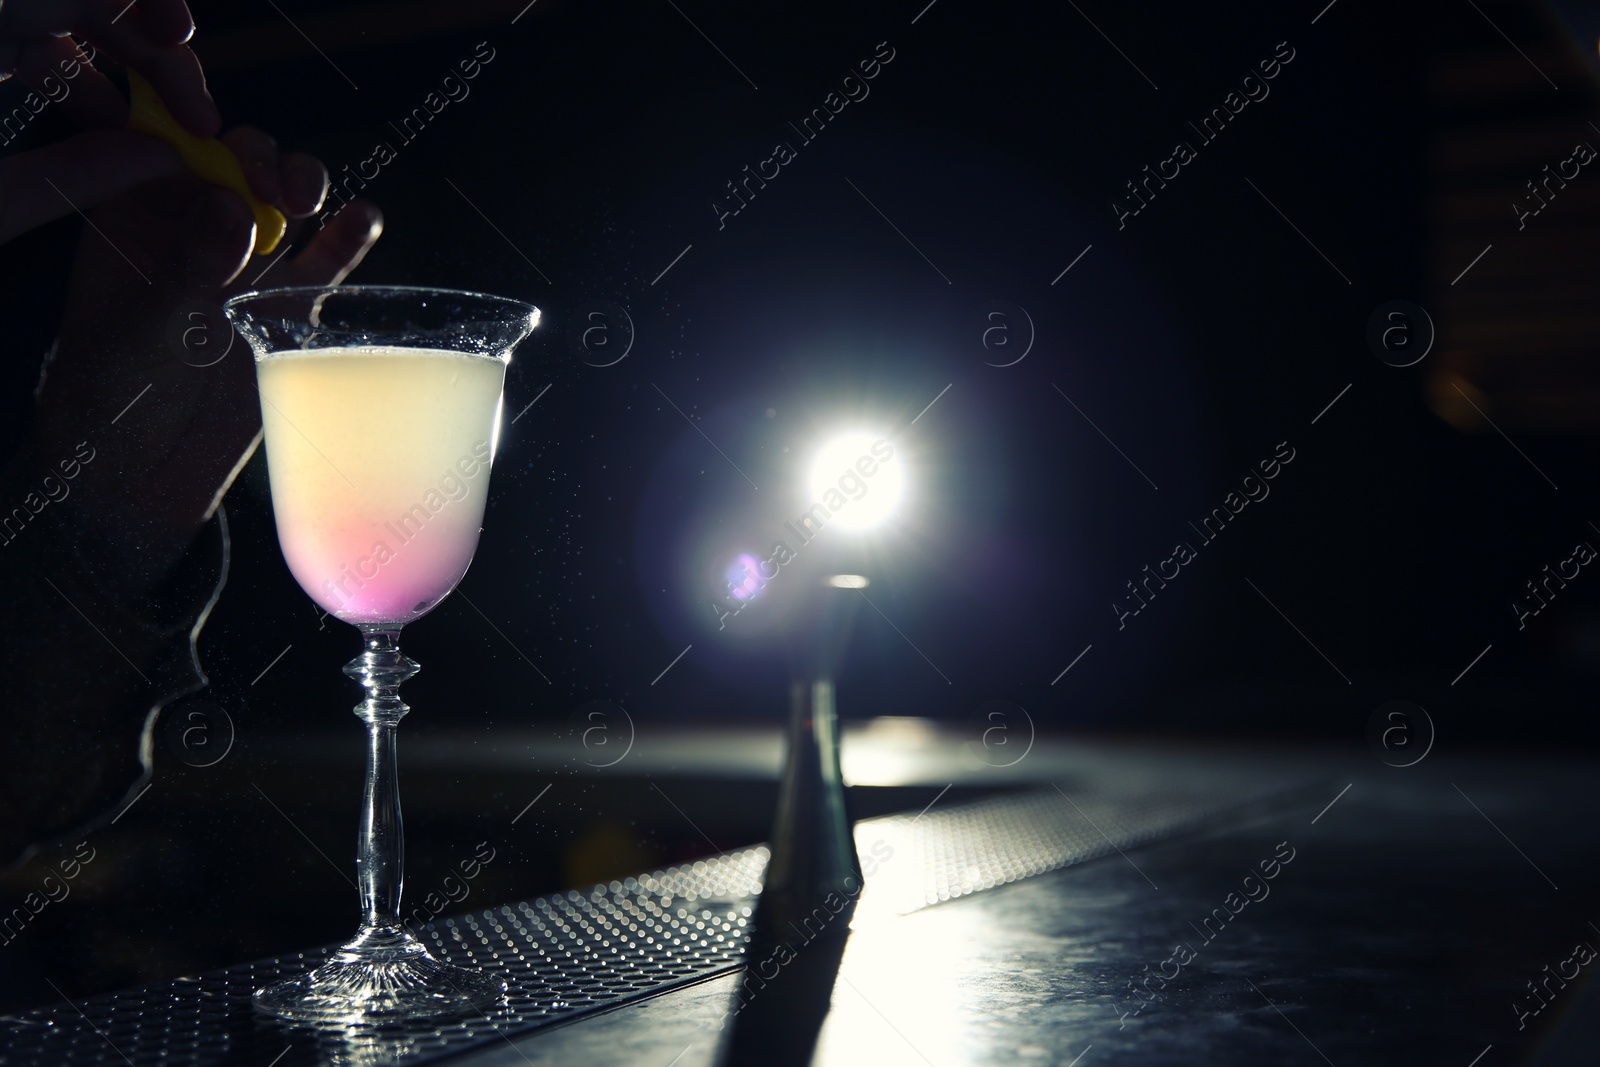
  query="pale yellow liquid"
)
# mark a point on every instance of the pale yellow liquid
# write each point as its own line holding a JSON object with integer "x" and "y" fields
{"x": 379, "y": 463}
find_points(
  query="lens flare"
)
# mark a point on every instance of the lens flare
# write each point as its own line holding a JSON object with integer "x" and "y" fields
{"x": 859, "y": 478}
{"x": 743, "y": 583}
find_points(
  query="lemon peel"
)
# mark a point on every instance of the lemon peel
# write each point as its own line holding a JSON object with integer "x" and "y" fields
{"x": 206, "y": 157}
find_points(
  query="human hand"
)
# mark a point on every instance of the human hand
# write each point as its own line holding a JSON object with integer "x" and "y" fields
{"x": 84, "y": 171}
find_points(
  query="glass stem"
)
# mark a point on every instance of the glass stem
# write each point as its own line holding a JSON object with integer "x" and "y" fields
{"x": 380, "y": 848}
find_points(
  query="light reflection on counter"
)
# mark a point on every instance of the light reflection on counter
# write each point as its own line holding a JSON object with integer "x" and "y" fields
{"x": 900, "y": 996}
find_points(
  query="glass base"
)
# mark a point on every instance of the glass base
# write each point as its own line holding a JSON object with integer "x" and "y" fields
{"x": 381, "y": 976}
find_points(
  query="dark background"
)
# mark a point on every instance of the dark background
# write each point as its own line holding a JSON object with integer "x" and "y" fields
{"x": 1197, "y": 338}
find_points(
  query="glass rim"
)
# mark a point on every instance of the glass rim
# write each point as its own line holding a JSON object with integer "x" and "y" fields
{"x": 375, "y": 290}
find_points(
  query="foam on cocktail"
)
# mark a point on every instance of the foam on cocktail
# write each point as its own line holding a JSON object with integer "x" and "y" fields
{"x": 379, "y": 463}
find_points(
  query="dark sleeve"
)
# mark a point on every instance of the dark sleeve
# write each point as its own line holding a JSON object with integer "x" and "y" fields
{"x": 84, "y": 669}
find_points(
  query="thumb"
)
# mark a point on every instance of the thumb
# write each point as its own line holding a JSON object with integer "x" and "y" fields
{"x": 76, "y": 175}
{"x": 216, "y": 237}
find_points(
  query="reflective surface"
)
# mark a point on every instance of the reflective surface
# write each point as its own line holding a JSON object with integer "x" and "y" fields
{"x": 1394, "y": 911}
{"x": 566, "y": 955}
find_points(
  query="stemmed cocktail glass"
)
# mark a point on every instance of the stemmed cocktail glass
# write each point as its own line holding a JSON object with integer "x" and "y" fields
{"x": 381, "y": 408}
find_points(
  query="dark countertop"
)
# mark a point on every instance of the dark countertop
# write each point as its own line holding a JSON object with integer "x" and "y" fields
{"x": 1409, "y": 910}
{"x": 1402, "y": 931}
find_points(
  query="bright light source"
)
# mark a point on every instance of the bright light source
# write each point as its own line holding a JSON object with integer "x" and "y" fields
{"x": 859, "y": 478}
{"x": 847, "y": 581}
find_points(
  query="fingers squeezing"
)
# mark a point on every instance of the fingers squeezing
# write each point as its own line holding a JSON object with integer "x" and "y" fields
{"x": 209, "y": 159}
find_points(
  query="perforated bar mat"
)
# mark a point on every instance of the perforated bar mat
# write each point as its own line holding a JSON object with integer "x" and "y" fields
{"x": 573, "y": 953}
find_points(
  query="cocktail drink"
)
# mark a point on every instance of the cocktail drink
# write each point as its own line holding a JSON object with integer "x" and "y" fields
{"x": 381, "y": 408}
{"x": 379, "y": 460}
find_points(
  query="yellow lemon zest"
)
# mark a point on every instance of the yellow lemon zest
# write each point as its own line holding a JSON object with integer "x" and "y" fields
{"x": 206, "y": 157}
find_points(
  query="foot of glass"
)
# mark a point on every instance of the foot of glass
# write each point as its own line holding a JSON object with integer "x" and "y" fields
{"x": 381, "y": 976}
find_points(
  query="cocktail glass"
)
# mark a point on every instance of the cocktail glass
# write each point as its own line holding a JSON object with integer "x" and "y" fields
{"x": 381, "y": 408}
